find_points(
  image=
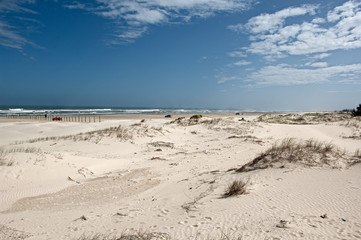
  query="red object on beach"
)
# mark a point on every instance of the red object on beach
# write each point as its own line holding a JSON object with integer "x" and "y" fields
{"x": 57, "y": 119}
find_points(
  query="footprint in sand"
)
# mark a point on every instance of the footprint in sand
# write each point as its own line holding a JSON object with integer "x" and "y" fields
{"x": 163, "y": 213}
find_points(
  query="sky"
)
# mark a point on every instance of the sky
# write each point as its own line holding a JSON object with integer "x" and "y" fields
{"x": 251, "y": 55}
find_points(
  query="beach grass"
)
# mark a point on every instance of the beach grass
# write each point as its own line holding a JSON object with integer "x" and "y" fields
{"x": 144, "y": 235}
{"x": 5, "y": 152}
{"x": 119, "y": 132}
{"x": 310, "y": 153}
{"x": 237, "y": 187}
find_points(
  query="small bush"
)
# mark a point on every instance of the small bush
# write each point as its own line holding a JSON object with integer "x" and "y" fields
{"x": 357, "y": 111}
{"x": 237, "y": 187}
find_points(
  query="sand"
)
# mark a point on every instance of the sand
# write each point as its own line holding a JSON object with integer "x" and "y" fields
{"x": 167, "y": 177}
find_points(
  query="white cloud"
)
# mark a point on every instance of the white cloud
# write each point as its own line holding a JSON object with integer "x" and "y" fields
{"x": 136, "y": 16}
{"x": 237, "y": 54}
{"x": 242, "y": 63}
{"x": 318, "y": 64}
{"x": 318, "y": 20}
{"x": 274, "y": 40}
{"x": 77, "y": 5}
{"x": 130, "y": 33}
{"x": 273, "y": 22}
{"x": 10, "y": 36}
{"x": 15, "y": 6}
{"x": 321, "y": 56}
{"x": 286, "y": 75}
{"x": 348, "y": 9}
{"x": 223, "y": 79}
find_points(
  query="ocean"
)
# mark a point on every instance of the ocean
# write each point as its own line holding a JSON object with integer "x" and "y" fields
{"x": 67, "y": 111}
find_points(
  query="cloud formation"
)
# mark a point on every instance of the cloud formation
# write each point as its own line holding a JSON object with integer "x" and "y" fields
{"x": 241, "y": 63}
{"x": 9, "y": 34}
{"x": 272, "y": 22}
{"x": 278, "y": 38}
{"x": 273, "y": 39}
{"x": 286, "y": 75}
{"x": 134, "y": 17}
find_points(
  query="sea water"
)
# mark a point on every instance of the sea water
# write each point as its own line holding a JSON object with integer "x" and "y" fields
{"x": 58, "y": 110}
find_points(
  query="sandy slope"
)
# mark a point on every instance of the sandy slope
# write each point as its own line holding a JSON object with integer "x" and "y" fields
{"x": 170, "y": 178}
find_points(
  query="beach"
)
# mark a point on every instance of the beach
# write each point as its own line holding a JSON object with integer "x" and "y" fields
{"x": 169, "y": 178}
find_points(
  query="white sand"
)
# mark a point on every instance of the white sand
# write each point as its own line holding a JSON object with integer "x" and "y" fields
{"x": 171, "y": 178}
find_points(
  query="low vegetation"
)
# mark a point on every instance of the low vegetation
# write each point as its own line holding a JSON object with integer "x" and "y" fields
{"x": 306, "y": 153}
{"x": 196, "y": 119}
{"x": 237, "y": 187}
{"x": 5, "y": 152}
{"x": 230, "y": 125}
{"x": 357, "y": 154}
{"x": 355, "y": 125}
{"x": 119, "y": 132}
{"x": 8, "y": 233}
{"x": 141, "y": 235}
{"x": 307, "y": 118}
{"x": 2, "y": 157}
{"x": 357, "y": 112}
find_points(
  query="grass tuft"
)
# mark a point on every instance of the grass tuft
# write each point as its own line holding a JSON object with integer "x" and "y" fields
{"x": 357, "y": 153}
{"x": 307, "y": 153}
{"x": 237, "y": 187}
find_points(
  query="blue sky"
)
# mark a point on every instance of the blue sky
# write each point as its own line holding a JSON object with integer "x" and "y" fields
{"x": 242, "y": 54}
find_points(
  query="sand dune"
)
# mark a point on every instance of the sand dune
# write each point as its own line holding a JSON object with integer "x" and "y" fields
{"x": 168, "y": 176}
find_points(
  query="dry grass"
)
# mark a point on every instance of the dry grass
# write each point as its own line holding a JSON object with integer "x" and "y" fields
{"x": 355, "y": 125}
{"x": 161, "y": 144}
{"x": 12, "y": 234}
{"x": 247, "y": 138}
{"x": 226, "y": 236}
{"x": 2, "y": 157}
{"x": 194, "y": 120}
{"x": 141, "y": 235}
{"x": 230, "y": 125}
{"x": 132, "y": 235}
{"x": 307, "y": 118}
{"x": 307, "y": 153}
{"x": 5, "y": 152}
{"x": 119, "y": 132}
{"x": 23, "y": 150}
{"x": 357, "y": 153}
{"x": 237, "y": 187}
